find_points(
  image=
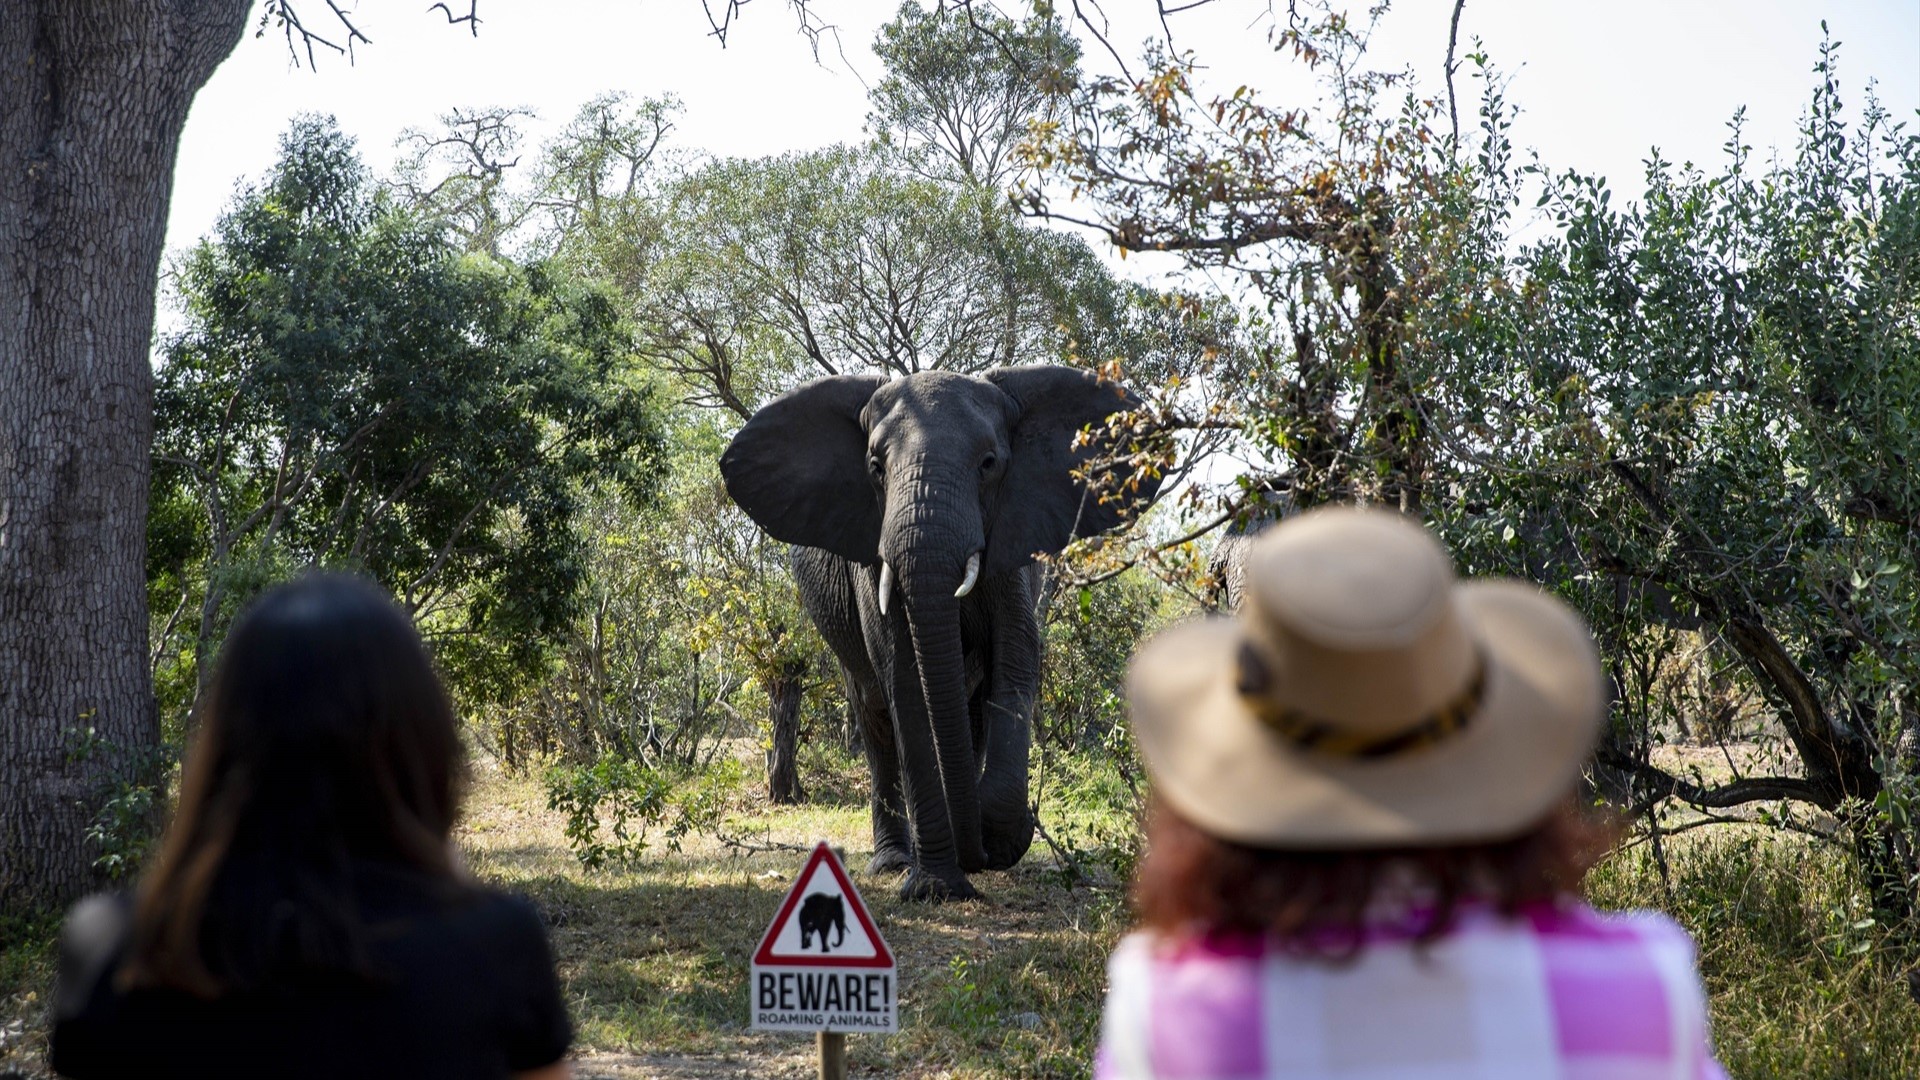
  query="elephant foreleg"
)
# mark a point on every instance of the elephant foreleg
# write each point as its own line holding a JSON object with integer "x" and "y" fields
{"x": 1013, "y": 683}
{"x": 892, "y": 842}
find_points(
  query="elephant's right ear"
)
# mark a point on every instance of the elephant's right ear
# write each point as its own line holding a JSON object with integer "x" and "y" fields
{"x": 799, "y": 468}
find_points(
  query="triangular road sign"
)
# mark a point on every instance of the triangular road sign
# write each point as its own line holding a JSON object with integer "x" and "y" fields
{"x": 823, "y": 922}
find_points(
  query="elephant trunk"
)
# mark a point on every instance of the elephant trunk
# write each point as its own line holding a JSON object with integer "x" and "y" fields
{"x": 933, "y": 620}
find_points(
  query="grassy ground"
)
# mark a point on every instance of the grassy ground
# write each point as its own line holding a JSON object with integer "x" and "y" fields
{"x": 654, "y": 957}
{"x": 26, "y": 979}
{"x": 1803, "y": 982}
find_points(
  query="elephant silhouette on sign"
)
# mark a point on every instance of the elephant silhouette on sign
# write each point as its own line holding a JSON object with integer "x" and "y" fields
{"x": 819, "y": 911}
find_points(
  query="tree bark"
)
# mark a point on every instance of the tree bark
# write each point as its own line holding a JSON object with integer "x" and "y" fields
{"x": 93, "y": 95}
{"x": 783, "y": 707}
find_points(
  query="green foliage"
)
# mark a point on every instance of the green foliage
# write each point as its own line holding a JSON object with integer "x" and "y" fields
{"x": 775, "y": 270}
{"x": 129, "y": 814}
{"x": 1092, "y": 801}
{"x": 957, "y": 1003}
{"x": 1801, "y": 978}
{"x": 688, "y": 611}
{"x": 963, "y": 84}
{"x": 349, "y": 390}
{"x": 588, "y": 184}
{"x": 127, "y": 825}
{"x": 1694, "y": 415}
{"x": 1089, "y": 634}
{"x": 123, "y": 829}
{"x": 612, "y": 804}
{"x": 1729, "y": 374}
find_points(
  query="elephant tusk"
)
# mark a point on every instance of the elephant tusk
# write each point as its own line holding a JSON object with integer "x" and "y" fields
{"x": 886, "y": 584}
{"x": 973, "y": 575}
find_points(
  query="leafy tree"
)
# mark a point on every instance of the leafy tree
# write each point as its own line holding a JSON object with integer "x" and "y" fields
{"x": 349, "y": 390}
{"x": 782, "y": 269}
{"x": 596, "y": 177}
{"x": 97, "y": 97}
{"x": 1090, "y": 634}
{"x": 691, "y": 629}
{"x": 594, "y": 181}
{"x": 963, "y": 85}
{"x": 1691, "y": 416}
{"x": 746, "y": 277}
{"x": 1728, "y": 373}
{"x": 459, "y": 175}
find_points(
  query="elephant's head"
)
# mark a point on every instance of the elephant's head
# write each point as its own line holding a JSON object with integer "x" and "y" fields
{"x": 931, "y": 469}
{"x": 943, "y": 480}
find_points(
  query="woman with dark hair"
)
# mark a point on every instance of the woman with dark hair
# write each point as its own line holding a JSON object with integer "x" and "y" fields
{"x": 1363, "y": 857}
{"x": 306, "y": 916}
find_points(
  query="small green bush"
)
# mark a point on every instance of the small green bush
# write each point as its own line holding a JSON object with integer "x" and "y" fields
{"x": 613, "y": 803}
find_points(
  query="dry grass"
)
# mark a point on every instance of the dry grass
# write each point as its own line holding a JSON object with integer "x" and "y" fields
{"x": 1803, "y": 982}
{"x": 654, "y": 957}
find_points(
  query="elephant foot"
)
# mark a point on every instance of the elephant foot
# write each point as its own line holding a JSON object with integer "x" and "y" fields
{"x": 933, "y": 889}
{"x": 976, "y": 861}
{"x": 887, "y": 860}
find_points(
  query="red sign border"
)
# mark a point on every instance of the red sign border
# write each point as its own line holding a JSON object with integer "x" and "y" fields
{"x": 883, "y": 956}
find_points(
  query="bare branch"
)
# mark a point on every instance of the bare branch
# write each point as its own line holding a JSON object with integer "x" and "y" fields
{"x": 721, "y": 13}
{"x": 1453, "y": 37}
{"x": 1660, "y": 784}
{"x": 471, "y": 18}
{"x": 301, "y": 38}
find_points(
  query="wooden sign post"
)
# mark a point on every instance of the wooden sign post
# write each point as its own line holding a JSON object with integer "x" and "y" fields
{"x": 833, "y": 1055}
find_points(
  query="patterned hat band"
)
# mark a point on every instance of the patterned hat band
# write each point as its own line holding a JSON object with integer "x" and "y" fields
{"x": 1255, "y": 683}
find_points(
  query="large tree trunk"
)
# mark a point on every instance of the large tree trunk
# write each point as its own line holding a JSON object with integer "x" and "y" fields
{"x": 92, "y": 99}
{"x": 784, "y": 692}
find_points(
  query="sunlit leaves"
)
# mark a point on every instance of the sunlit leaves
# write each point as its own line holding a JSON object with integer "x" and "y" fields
{"x": 350, "y": 390}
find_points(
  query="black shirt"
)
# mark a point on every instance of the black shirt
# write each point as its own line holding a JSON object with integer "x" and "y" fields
{"x": 467, "y": 990}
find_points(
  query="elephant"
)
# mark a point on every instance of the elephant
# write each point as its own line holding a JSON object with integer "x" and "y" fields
{"x": 1226, "y": 565}
{"x": 916, "y": 507}
{"x": 817, "y": 913}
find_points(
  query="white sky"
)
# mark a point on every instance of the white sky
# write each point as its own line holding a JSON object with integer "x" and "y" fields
{"x": 1598, "y": 83}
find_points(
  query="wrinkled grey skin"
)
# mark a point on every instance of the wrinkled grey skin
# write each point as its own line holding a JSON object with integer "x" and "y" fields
{"x": 1227, "y": 564}
{"x": 922, "y": 472}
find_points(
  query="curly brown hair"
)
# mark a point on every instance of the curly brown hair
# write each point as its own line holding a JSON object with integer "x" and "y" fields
{"x": 1319, "y": 902}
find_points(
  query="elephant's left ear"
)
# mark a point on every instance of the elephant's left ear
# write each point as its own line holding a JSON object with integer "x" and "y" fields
{"x": 1042, "y": 505}
{"x": 798, "y": 468}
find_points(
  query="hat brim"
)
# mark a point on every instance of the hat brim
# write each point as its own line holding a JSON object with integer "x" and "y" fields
{"x": 1223, "y": 769}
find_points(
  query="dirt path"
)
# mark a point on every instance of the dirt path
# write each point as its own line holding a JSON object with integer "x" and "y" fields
{"x": 668, "y": 1067}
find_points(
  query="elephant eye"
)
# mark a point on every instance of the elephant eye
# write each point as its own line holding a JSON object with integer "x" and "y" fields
{"x": 874, "y": 466}
{"x": 987, "y": 463}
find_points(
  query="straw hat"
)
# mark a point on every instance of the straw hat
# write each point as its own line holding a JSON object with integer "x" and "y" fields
{"x": 1364, "y": 698}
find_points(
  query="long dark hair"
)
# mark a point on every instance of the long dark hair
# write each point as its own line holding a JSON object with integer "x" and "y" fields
{"x": 325, "y": 742}
{"x": 1320, "y": 902}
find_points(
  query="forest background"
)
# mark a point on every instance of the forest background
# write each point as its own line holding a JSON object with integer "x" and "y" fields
{"x": 497, "y": 377}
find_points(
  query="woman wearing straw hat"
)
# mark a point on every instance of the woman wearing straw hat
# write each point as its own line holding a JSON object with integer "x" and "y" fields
{"x": 1364, "y": 857}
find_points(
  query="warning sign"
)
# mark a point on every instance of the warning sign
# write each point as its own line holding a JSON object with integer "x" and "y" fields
{"x": 822, "y": 965}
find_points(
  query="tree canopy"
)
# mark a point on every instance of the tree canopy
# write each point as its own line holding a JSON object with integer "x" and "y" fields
{"x": 351, "y": 390}
{"x": 1691, "y": 414}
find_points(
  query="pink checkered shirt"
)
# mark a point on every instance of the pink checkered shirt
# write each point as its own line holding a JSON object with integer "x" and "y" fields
{"x": 1556, "y": 994}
